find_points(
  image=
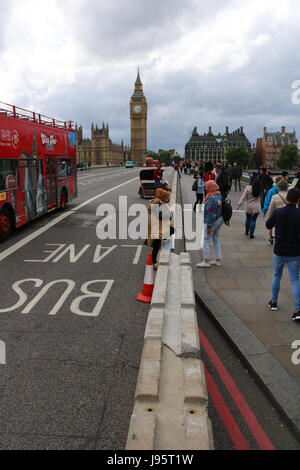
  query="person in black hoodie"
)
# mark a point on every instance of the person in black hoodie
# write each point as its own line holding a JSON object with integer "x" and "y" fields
{"x": 236, "y": 175}
{"x": 287, "y": 248}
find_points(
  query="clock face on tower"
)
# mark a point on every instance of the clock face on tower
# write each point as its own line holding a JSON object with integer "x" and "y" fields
{"x": 137, "y": 108}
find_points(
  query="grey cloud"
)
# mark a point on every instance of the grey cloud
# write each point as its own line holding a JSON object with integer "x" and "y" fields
{"x": 130, "y": 28}
{"x": 255, "y": 95}
{"x": 6, "y": 9}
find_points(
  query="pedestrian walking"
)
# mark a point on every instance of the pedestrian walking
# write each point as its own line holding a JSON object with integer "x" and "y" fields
{"x": 251, "y": 198}
{"x": 229, "y": 174}
{"x": 287, "y": 249}
{"x": 236, "y": 175}
{"x": 208, "y": 172}
{"x": 213, "y": 221}
{"x": 177, "y": 168}
{"x": 277, "y": 202}
{"x": 267, "y": 200}
{"x": 199, "y": 190}
{"x": 223, "y": 182}
{"x": 266, "y": 183}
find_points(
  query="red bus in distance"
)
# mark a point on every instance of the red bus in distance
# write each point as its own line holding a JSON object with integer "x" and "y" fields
{"x": 37, "y": 166}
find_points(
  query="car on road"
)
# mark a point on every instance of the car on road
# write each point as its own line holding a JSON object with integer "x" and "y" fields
{"x": 129, "y": 164}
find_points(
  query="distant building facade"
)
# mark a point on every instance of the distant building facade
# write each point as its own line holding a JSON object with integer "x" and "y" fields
{"x": 213, "y": 148}
{"x": 138, "y": 123}
{"x": 99, "y": 149}
{"x": 271, "y": 143}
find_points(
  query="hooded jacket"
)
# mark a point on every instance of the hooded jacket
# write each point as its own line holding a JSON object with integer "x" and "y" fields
{"x": 268, "y": 198}
{"x": 160, "y": 219}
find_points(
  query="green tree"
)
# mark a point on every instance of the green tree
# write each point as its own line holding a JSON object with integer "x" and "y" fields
{"x": 238, "y": 155}
{"x": 165, "y": 157}
{"x": 288, "y": 157}
{"x": 177, "y": 159}
{"x": 152, "y": 155}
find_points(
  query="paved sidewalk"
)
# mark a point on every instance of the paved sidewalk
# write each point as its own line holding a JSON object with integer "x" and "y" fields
{"x": 236, "y": 295}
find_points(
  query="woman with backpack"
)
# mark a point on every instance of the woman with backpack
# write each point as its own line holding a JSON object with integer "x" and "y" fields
{"x": 213, "y": 220}
{"x": 251, "y": 198}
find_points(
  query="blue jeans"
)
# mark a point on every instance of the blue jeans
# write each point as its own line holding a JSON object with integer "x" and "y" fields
{"x": 214, "y": 237}
{"x": 293, "y": 263}
{"x": 251, "y": 223}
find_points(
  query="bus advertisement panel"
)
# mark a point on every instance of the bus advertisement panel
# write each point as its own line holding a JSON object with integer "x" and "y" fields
{"x": 37, "y": 166}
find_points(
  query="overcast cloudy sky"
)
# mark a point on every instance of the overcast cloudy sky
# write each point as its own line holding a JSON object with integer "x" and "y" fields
{"x": 203, "y": 63}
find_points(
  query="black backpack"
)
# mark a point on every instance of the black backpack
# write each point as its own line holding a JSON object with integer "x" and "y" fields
{"x": 226, "y": 211}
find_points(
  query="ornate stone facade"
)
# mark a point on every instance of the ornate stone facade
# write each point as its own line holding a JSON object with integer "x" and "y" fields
{"x": 213, "y": 148}
{"x": 99, "y": 149}
{"x": 272, "y": 142}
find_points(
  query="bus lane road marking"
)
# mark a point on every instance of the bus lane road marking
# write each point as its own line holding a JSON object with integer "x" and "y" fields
{"x": 75, "y": 307}
{"x": 9, "y": 251}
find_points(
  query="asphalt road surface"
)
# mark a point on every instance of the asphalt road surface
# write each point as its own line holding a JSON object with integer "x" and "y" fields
{"x": 71, "y": 324}
{"x": 74, "y": 332}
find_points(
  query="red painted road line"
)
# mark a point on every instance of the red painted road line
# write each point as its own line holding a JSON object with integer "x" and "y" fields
{"x": 231, "y": 426}
{"x": 258, "y": 433}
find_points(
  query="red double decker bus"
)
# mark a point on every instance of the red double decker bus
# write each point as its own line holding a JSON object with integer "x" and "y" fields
{"x": 37, "y": 166}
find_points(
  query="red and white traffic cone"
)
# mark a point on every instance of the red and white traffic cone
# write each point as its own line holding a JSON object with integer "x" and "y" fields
{"x": 148, "y": 287}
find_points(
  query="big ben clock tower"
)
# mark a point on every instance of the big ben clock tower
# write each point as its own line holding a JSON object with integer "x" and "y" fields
{"x": 138, "y": 121}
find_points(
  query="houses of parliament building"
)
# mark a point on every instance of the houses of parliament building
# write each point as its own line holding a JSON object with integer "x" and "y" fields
{"x": 100, "y": 150}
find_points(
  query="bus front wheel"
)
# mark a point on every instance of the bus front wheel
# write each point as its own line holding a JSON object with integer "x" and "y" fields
{"x": 6, "y": 225}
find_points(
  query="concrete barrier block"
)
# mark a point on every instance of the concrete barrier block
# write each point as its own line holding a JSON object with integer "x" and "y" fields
{"x": 185, "y": 259}
{"x": 190, "y": 343}
{"x": 187, "y": 287}
{"x": 142, "y": 431}
{"x": 198, "y": 434}
{"x": 149, "y": 374}
{"x": 195, "y": 391}
{"x": 160, "y": 288}
{"x": 164, "y": 258}
{"x": 155, "y": 322}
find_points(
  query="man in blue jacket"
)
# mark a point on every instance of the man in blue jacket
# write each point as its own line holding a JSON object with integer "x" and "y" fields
{"x": 287, "y": 248}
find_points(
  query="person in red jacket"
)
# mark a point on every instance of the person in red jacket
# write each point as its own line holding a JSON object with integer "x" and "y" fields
{"x": 209, "y": 174}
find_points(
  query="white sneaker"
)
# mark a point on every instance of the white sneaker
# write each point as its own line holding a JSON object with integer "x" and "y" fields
{"x": 216, "y": 263}
{"x": 203, "y": 265}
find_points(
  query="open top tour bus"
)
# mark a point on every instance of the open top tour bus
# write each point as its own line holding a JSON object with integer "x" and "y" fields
{"x": 37, "y": 166}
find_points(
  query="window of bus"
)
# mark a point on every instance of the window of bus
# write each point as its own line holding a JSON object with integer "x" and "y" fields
{"x": 8, "y": 173}
{"x": 28, "y": 173}
{"x": 64, "y": 168}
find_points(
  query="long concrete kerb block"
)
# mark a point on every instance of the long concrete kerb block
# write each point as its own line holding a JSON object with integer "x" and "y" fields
{"x": 187, "y": 294}
{"x": 185, "y": 259}
{"x": 171, "y": 400}
{"x": 190, "y": 344}
{"x": 195, "y": 390}
{"x": 164, "y": 258}
{"x": 149, "y": 374}
{"x": 160, "y": 288}
{"x": 142, "y": 431}
{"x": 154, "y": 328}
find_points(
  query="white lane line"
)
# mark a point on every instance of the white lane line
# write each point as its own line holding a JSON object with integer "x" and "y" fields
{"x": 51, "y": 224}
